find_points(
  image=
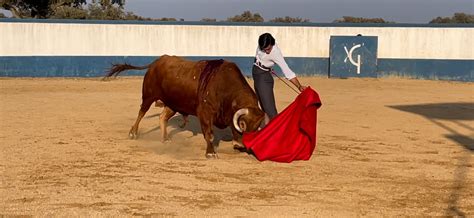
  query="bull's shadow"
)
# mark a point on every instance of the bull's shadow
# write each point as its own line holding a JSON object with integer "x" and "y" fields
{"x": 455, "y": 113}
{"x": 193, "y": 126}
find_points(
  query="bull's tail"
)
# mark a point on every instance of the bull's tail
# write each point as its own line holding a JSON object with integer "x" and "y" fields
{"x": 118, "y": 68}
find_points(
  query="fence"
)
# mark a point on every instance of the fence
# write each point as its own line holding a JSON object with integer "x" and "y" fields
{"x": 75, "y": 48}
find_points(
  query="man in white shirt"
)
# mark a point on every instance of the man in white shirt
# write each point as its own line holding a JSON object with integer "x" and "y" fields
{"x": 268, "y": 53}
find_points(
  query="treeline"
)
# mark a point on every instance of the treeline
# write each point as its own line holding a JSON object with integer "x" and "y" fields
{"x": 248, "y": 16}
{"x": 457, "y": 18}
{"x": 348, "y": 19}
{"x": 113, "y": 10}
{"x": 68, "y": 9}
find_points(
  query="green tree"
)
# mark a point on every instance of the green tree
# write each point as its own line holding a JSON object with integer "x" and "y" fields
{"x": 102, "y": 11}
{"x": 288, "y": 19}
{"x": 456, "y": 18}
{"x": 108, "y": 3}
{"x": 36, "y": 8}
{"x": 132, "y": 16}
{"x": 166, "y": 19}
{"x": 247, "y": 16}
{"x": 71, "y": 9}
{"x": 209, "y": 20}
{"x": 348, "y": 19}
{"x": 66, "y": 12}
{"x": 121, "y": 3}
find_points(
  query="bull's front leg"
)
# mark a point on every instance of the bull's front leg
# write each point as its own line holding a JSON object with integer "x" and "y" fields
{"x": 206, "y": 127}
{"x": 235, "y": 141}
{"x": 185, "y": 121}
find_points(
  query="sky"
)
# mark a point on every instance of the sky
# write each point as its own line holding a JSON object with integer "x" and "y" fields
{"x": 320, "y": 11}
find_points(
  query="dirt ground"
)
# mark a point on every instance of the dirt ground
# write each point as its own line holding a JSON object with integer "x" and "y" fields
{"x": 386, "y": 147}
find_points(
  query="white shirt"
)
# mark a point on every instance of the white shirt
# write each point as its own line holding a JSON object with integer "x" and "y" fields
{"x": 275, "y": 56}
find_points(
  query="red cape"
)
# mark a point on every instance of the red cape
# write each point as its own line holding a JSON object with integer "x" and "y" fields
{"x": 291, "y": 135}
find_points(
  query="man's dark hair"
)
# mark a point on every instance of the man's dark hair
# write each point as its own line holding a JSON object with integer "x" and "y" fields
{"x": 265, "y": 40}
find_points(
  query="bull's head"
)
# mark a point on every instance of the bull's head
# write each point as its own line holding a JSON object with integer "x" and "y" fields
{"x": 248, "y": 119}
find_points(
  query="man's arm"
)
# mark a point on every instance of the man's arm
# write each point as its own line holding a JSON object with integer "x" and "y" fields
{"x": 297, "y": 83}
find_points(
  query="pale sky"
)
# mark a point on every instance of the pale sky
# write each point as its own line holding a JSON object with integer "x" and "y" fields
{"x": 321, "y": 11}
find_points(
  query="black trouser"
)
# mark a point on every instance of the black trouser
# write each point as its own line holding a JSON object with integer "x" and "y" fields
{"x": 263, "y": 84}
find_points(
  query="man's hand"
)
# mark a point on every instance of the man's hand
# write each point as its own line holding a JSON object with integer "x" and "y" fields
{"x": 297, "y": 84}
{"x": 301, "y": 88}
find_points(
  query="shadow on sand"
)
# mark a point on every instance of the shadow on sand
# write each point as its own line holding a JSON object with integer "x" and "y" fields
{"x": 193, "y": 126}
{"x": 455, "y": 113}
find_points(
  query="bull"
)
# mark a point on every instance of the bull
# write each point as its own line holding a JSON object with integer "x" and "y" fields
{"x": 213, "y": 90}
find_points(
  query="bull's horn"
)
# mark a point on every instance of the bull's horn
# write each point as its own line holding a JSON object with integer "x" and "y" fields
{"x": 240, "y": 112}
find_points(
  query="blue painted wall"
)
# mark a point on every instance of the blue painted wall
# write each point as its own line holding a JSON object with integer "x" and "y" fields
{"x": 97, "y": 66}
{"x": 456, "y": 70}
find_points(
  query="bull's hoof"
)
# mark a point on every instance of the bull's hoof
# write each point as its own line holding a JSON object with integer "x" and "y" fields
{"x": 240, "y": 148}
{"x": 211, "y": 156}
{"x": 165, "y": 140}
{"x": 132, "y": 135}
{"x": 159, "y": 103}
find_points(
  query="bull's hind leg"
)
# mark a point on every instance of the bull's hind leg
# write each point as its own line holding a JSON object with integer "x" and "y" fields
{"x": 159, "y": 103}
{"x": 146, "y": 103}
{"x": 164, "y": 117}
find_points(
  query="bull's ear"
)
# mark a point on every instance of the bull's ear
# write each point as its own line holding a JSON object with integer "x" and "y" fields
{"x": 242, "y": 125}
{"x": 257, "y": 113}
{"x": 256, "y": 119}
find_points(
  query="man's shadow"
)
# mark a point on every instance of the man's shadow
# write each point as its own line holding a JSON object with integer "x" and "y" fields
{"x": 455, "y": 113}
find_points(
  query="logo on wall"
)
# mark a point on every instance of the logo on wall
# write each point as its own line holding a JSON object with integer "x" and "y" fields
{"x": 353, "y": 56}
{"x": 349, "y": 56}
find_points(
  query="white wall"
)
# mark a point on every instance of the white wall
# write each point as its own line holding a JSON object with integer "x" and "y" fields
{"x": 83, "y": 39}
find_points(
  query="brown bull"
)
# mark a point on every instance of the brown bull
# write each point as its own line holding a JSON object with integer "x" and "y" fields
{"x": 215, "y": 91}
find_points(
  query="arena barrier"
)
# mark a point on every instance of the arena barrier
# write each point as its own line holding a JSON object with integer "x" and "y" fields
{"x": 87, "y": 48}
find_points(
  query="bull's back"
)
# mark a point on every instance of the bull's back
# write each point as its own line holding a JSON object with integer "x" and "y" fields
{"x": 177, "y": 81}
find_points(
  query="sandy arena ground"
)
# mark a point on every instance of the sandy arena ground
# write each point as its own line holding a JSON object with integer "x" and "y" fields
{"x": 386, "y": 147}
